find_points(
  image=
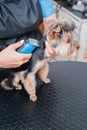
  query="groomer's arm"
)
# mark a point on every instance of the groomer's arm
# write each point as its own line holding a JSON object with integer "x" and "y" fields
{"x": 47, "y": 21}
{"x": 48, "y": 13}
{"x": 49, "y": 51}
{"x": 10, "y": 58}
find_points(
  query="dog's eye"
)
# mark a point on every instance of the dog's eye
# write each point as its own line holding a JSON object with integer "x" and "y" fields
{"x": 68, "y": 40}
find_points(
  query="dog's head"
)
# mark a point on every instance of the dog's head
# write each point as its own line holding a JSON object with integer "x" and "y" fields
{"x": 60, "y": 36}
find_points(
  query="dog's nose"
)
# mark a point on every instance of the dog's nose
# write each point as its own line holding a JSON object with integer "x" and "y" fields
{"x": 78, "y": 47}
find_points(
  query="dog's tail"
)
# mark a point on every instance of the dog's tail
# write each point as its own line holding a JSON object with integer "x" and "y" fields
{"x": 5, "y": 85}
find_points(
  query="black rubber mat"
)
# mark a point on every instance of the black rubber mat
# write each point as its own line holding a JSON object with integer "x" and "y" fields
{"x": 61, "y": 105}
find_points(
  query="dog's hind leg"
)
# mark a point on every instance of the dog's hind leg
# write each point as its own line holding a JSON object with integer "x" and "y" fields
{"x": 30, "y": 86}
{"x": 16, "y": 83}
{"x": 43, "y": 73}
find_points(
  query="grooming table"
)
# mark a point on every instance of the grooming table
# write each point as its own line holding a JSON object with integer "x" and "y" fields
{"x": 61, "y": 105}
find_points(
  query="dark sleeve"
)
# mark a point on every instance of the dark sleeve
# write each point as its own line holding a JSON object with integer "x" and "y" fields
{"x": 18, "y": 17}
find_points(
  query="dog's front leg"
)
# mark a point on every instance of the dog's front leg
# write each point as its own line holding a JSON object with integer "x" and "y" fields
{"x": 30, "y": 86}
{"x": 43, "y": 73}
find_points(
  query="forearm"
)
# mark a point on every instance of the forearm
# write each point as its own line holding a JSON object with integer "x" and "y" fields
{"x": 47, "y": 21}
{"x": 49, "y": 51}
{"x": 1, "y": 62}
{"x": 48, "y": 12}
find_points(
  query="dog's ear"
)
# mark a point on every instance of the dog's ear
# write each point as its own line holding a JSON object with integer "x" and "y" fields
{"x": 55, "y": 26}
{"x": 54, "y": 30}
{"x": 51, "y": 23}
{"x": 68, "y": 25}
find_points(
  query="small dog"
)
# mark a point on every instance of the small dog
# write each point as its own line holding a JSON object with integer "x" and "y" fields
{"x": 60, "y": 37}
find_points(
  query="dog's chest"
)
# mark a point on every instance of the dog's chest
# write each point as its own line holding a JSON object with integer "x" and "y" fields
{"x": 37, "y": 57}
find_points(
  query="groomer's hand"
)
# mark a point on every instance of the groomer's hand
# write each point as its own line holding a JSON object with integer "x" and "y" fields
{"x": 10, "y": 58}
{"x": 50, "y": 51}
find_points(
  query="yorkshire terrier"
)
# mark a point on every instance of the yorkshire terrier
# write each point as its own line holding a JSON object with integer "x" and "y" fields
{"x": 60, "y": 37}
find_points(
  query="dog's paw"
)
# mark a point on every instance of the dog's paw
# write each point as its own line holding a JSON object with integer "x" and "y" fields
{"x": 47, "y": 81}
{"x": 33, "y": 98}
{"x": 19, "y": 87}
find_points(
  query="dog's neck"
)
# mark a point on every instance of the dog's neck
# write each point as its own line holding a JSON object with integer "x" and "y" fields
{"x": 42, "y": 41}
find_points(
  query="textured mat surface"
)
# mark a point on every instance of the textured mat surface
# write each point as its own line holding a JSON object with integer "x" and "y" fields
{"x": 62, "y": 105}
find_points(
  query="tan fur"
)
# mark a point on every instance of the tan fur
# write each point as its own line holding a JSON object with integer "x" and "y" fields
{"x": 4, "y": 85}
{"x": 16, "y": 82}
{"x": 43, "y": 73}
{"x": 30, "y": 82}
{"x": 30, "y": 86}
